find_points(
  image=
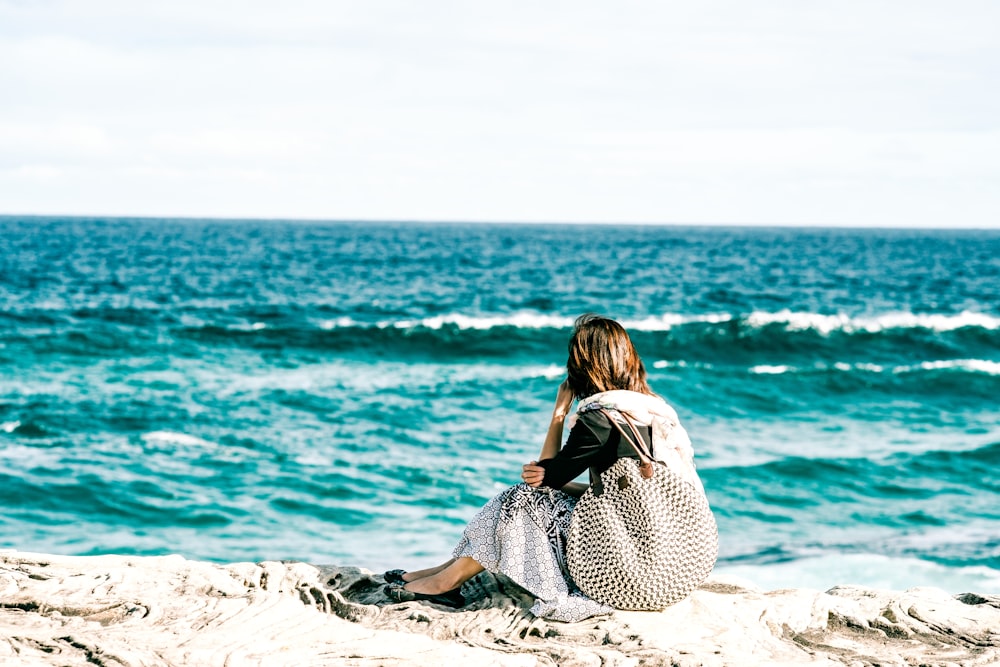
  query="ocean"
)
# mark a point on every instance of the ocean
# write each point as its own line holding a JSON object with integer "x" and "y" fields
{"x": 352, "y": 392}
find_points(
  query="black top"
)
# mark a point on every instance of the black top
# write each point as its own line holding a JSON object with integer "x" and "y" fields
{"x": 592, "y": 443}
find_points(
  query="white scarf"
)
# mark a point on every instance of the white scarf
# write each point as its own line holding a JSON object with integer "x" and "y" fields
{"x": 671, "y": 443}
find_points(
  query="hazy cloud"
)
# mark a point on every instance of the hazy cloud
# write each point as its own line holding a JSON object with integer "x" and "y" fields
{"x": 778, "y": 112}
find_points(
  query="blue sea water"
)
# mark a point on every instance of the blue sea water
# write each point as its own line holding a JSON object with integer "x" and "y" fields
{"x": 352, "y": 393}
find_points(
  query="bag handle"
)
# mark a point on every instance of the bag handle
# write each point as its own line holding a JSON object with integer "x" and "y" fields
{"x": 646, "y": 460}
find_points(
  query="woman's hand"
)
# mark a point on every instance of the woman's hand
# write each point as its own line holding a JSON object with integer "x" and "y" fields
{"x": 532, "y": 474}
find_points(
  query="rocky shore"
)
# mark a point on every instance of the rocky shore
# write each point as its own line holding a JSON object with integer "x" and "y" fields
{"x": 123, "y": 610}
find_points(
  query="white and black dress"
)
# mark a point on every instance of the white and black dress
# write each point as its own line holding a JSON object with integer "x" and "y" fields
{"x": 522, "y": 531}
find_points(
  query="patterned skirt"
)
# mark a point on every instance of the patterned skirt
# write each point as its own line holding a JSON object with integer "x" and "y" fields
{"x": 521, "y": 533}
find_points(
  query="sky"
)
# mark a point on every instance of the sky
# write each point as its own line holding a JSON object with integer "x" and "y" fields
{"x": 852, "y": 113}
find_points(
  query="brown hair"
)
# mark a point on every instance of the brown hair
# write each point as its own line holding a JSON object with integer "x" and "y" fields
{"x": 602, "y": 358}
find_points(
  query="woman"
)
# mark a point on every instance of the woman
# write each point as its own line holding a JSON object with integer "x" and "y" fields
{"x": 522, "y": 532}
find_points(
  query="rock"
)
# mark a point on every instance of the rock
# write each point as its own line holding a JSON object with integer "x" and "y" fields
{"x": 121, "y": 610}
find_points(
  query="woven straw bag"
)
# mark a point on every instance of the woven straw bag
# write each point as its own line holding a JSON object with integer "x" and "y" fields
{"x": 642, "y": 537}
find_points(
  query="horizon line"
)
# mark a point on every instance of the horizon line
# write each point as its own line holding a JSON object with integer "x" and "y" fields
{"x": 432, "y": 221}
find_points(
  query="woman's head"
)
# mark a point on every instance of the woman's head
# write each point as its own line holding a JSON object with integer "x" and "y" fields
{"x": 602, "y": 358}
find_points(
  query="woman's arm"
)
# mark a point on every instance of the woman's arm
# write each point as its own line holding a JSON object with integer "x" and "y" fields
{"x": 532, "y": 473}
{"x": 585, "y": 447}
{"x": 553, "y": 439}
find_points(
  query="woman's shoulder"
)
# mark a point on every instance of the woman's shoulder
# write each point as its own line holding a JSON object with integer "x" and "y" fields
{"x": 595, "y": 418}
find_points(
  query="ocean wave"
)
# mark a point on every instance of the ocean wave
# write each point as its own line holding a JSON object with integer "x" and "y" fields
{"x": 669, "y": 321}
{"x": 247, "y": 326}
{"x": 528, "y": 320}
{"x": 173, "y": 438}
{"x": 517, "y": 321}
{"x": 339, "y": 323}
{"x": 969, "y": 365}
{"x": 982, "y": 366}
{"x": 862, "y": 472}
{"x": 764, "y": 369}
{"x": 866, "y": 569}
{"x": 525, "y": 320}
{"x": 869, "y": 368}
{"x": 826, "y": 324}
{"x": 766, "y": 343}
{"x": 352, "y": 376}
{"x": 30, "y": 429}
{"x": 792, "y": 320}
{"x": 680, "y": 363}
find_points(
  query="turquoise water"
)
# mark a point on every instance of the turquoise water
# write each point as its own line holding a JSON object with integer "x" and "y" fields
{"x": 351, "y": 393}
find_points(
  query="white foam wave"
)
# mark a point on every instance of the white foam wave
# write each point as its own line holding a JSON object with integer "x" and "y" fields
{"x": 670, "y": 320}
{"x": 933, "y": 322}
{"x": 528, "y": 320}
{"x": 970, "y": 365}
{"x": 523, "y": 320}
{"x": 172, "y": 438}
{"x": 872, "y": 570}
{"x": 8, "y": 427}
{"x": 770, "y": 370}
{"x": 519, "y": 320}
{"x": 339, "y": 323}
{"x": 871, "y": 368}
{"x": 247, "y": 326}
{"x": 825, "y": 324}
{"x": 338, "y": 377}
{"x": 792, "y": 320}
{"x": 847, "y": 368}
{"x": 551, "y": 372}
{"x": 680, "y": 363}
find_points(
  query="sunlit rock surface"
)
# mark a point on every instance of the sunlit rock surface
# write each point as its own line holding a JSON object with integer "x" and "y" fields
{"x": 123, "y": 610}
